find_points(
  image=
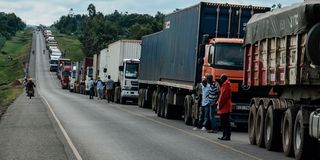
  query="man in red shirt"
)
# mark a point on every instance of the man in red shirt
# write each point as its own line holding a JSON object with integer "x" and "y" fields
{"x": 225, "y": 107}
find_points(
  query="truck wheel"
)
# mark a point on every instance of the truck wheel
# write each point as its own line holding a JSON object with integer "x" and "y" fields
{"x": 159, "y": 104}
{"x": 144, "y": 103}
{"x": 163, "y": 99}
{"x": 312, "y": 47}
{"x": 116, "y": 95}
{"x": 187, "y": 109}
{"x": 272, "y": 130}
{"x": 259, "y": 125}
{"x": 123, "y": 100}
{"x": 167, "y": 108}
{"x": 139, "y": 97}
{"x": 287, "y": 132}
{"x": 154, "y": 101}
{"x": 302, "y": 142}
{"x": 251, "y": 124}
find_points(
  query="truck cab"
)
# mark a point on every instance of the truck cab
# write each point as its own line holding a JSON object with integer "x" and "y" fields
{"x": 129, "y": 72}
{"x": 225, "y": 56}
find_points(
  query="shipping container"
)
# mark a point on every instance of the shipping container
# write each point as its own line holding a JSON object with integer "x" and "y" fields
{"x": 176, "y": 47}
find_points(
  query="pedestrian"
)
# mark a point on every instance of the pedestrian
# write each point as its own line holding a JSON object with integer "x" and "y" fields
{"x": 91, "y": 86}
{"x": 204, "y": 109}
{"x": 109, "y": 88}
{"x": 100, "y": 88}
{"x": 213, "y": 99}
{"x": 225, "y": 107}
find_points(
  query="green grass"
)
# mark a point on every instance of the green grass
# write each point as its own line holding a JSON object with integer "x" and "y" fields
{"x": 12, "y": 68}
{"x": 70, "y": 45}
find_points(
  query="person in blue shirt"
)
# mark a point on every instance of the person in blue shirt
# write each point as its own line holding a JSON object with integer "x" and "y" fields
{"x": 100, "y": 88}
{"x": 204, "y": 109}
{"x": 213, "y": 95}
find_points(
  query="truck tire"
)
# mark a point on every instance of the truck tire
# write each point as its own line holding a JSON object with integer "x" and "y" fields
{"x": 272, "y": 130}
{"x": 312, "y": 47}
{"x": 139, "y": 97}
{"x": 187, "y": 110}
{"x": 116, "y": 94}
{"x": 159, "y": 104}
{"x": 123, "y": 100}
{"x": 287, "y": 132}
{"x": 251, "y": 124}
{"x": 302, "y": 142}
{"x": 163, "y": 99}
{"x": 154, "y": 101}
{"x": 167, "y": 108}
{"x": 259, "y": 125}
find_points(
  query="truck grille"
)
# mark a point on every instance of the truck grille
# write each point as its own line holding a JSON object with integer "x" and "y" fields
{"x": 134, "y": 83}
{"x": 134, "y": 88}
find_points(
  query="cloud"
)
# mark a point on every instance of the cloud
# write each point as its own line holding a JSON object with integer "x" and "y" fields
{"x": 47, "y": 12}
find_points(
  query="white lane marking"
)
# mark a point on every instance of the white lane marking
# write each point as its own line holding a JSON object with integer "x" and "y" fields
{"x": 65, "y": 134}
{"x": 190, "y": 133}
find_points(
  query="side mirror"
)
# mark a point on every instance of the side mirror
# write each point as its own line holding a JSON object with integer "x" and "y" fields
{"x": 104, "y": 70}
{"x": 121, "y": 68}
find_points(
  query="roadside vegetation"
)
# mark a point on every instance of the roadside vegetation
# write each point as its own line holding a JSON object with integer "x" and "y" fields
{"x": 70, "y": 46}
{"x": 13, "y": 57}
{"x": 96, "y": 31}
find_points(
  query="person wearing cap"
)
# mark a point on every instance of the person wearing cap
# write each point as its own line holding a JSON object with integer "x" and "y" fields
{"x": 225, "y": 107}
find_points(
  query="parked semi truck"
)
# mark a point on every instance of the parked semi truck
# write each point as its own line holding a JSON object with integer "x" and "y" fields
{"x": 172, "y": 60}
{"x": 121, "y": 61}
{"x": 282, "y": 54}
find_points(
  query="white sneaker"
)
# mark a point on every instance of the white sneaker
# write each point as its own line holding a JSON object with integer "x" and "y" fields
{"x": 203, "y": 129}
{"x": 195, "y": 128}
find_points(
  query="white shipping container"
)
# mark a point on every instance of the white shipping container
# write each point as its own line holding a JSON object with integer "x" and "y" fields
{"x": 103, "y": 64}
{"x": 117, "y": 51}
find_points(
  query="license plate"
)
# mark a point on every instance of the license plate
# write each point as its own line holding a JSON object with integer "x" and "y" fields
{"x": 242, "y": 108}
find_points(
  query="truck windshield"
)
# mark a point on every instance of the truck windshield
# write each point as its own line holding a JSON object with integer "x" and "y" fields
{"x": 66, "y": 73}
{"x": 74, "y": 74}
{"x": 132, "y": 70}
{"x": 90, "y": 72}
{"x": 229, "y": 55}
{"x": 53, "y": 61}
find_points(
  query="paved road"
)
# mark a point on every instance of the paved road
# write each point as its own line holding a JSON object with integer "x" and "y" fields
{"x": 102, "y": 131}
{"x": 26, "y": 131}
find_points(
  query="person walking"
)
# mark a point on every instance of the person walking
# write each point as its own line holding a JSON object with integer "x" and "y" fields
{"x": 109, "y": 88}
{"x": 100, "y": 88}
{"x": 91, "y": 86}
{"x": 213, "y": 99}
{"x": 225, "y": 107}
{"x": 204, "y": 109}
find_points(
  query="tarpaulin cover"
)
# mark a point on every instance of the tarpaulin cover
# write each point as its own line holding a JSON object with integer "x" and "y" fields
{"x": 295, "y": 19}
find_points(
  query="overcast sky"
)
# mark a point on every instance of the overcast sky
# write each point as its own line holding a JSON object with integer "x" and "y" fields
{"x": 35, "y": 12}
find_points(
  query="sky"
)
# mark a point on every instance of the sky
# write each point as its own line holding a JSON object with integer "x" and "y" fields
{"x": 35, "y": 12}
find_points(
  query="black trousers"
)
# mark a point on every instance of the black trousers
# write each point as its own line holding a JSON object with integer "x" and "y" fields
{"x": 225, "y": 124}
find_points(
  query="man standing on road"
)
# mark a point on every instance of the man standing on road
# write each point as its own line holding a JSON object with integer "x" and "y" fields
{"x": 213, "y": 98}
{"x": 109, "y": 88}
{"x": 204, "y": 109}
{"x": 91, "y": 86}
{"x": 225, "y": 107}
{"x": 100, "y": 87}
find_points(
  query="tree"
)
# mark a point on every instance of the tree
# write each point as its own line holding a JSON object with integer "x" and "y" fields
{"x": 92, "y": 10}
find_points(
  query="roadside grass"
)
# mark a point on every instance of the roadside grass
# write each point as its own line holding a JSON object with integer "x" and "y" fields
{"x": 70, "y": 46}
{"x": 13, "y": 57}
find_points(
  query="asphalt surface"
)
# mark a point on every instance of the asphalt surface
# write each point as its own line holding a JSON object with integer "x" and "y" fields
{"x": 105, "y": 131}
{"x": 27, "y": 132}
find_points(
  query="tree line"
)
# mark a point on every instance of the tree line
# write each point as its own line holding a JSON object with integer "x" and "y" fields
{"x": 96, "y": 30}
{"x": 9, "y": 25}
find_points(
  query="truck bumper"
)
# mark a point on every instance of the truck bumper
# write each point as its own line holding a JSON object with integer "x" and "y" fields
{"x": 129, "y": 94}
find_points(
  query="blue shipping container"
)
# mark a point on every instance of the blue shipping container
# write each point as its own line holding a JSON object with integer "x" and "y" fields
{"x": 172, "y": 55}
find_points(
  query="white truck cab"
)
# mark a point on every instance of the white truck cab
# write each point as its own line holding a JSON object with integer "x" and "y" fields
{"x": 129, "y": 72}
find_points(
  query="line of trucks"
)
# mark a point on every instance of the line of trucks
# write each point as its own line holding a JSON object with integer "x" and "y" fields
{"x": 272, "y": 59}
